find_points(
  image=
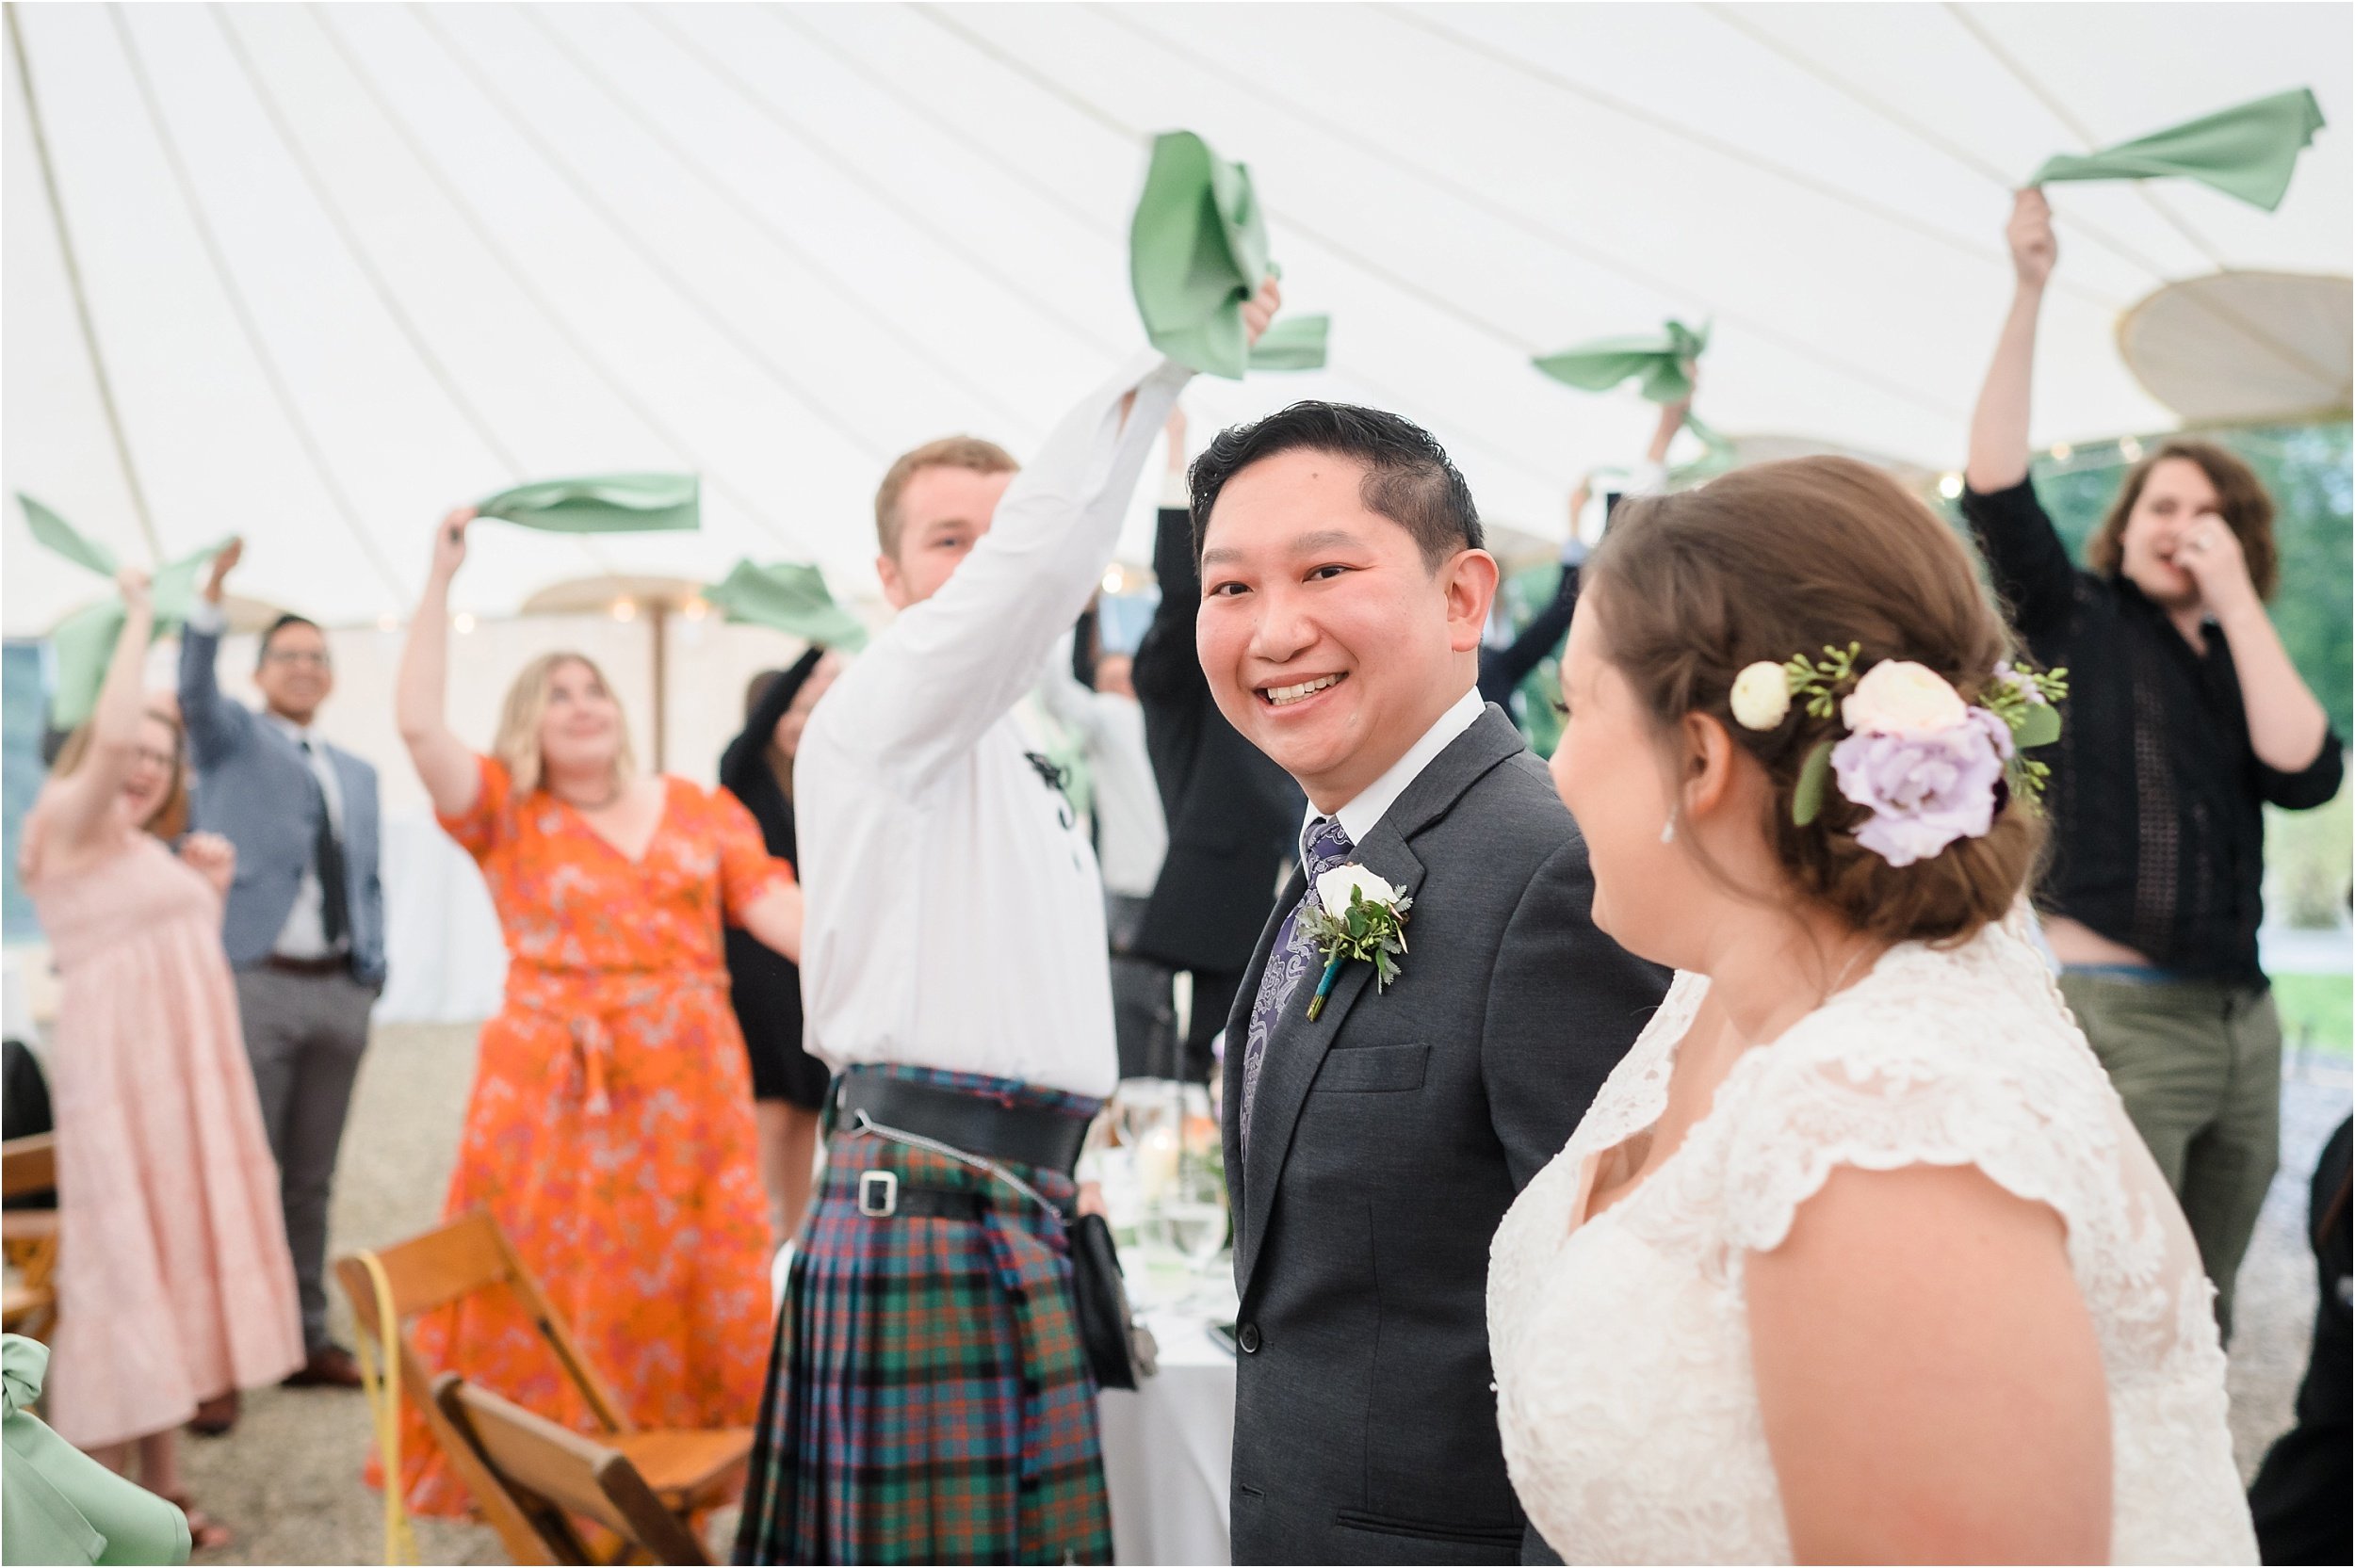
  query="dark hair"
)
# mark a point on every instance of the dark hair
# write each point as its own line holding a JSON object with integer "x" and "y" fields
{"x": 2240, "y": 495}
{"x": 261, "y": 652}
{"x": 1409, "y": 477}
{"x": 1788, "y": 557}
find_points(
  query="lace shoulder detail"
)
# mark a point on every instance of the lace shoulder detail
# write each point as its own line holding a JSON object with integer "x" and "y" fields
{"x": 1635, "y": 1094}
{"x": 1938, "y": 1058}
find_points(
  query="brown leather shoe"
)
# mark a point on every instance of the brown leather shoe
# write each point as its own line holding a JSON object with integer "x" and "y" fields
{"x": 330, "y": 1367}
{"x": 216, "y": 1416}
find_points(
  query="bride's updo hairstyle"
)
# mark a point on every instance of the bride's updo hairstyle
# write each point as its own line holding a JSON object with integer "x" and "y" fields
{"x": 1784, "y": 559}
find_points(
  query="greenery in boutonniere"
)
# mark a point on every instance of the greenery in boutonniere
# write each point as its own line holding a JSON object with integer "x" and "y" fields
{"x": 1356, "y": 915}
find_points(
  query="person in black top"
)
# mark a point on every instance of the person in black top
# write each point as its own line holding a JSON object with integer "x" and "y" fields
{"x": 2301, "y": 1499}
{"x": 2184, "y": 718}
{"x": 789, "y": 1084}
{"x": 1234, "y": 816}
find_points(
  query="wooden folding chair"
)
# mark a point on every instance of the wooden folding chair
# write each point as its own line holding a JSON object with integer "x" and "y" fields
{"x": 556, "y": 1476}
{"x": 687, "y": 1471}
{"x": 28, "y": 1237}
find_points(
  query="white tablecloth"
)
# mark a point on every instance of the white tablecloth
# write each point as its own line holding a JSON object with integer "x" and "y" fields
{"x": 1169, "y": 1445}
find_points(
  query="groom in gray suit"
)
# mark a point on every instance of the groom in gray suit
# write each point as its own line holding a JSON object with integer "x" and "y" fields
{"x": 1371, "y": 1151}
{"x": 306, "y": 923}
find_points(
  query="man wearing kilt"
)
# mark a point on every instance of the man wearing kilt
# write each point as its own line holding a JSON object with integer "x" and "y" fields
{"x": 929, "y": 1399}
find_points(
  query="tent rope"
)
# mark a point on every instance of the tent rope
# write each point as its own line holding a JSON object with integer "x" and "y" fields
{"x": 484, "y": 236}
{"x": 81, "y": 296}
{"x": 378, "y": 283}
{"x": 242, "y": 309}
{"x": 714, "y": 317}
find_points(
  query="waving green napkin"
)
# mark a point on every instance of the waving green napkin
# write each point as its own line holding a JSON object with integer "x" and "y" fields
{"x": 2245, "y": 151}
{"x": 1198, "y": 253}
{"x": 602, "y": 504}
{"x": 57, "y": 1504}
{"x": 791, "y": 598}
{"x": 84, "y": 642}
{"x": 65, "y": 539}
{"x": 1657, "y": 358}
{"x": 1292, "y": 343}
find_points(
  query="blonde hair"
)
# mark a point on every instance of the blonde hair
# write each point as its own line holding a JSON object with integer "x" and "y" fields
{"x": 517, "y": 743}
{"x": 958, "y": 451}
{"x": 169, "y": 818}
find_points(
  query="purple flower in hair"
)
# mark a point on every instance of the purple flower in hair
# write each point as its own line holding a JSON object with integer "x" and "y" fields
{"x": 1927, "y": 788}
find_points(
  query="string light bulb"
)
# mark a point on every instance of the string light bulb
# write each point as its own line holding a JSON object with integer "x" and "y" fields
{"x": 1112, "y": 580}
{"x": 388, "y": 621}
{"x": 463, "y": 623}
{"x": 2062, "y": 451}
{"x": 625, "y": 609}
{"x": 1950, "y": 485}
{"x": 695, "y": 609}
{"x": 2131, "y": 449}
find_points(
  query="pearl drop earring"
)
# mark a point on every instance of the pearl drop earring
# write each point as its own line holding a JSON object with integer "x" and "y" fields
{"x": 1668, "y": 831}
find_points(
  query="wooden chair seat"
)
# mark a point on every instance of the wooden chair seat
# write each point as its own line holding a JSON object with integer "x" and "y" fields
{"x": 688, "y": 1470}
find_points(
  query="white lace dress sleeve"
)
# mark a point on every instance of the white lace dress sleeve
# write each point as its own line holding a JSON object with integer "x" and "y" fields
{"x": 1629, "y": 1411}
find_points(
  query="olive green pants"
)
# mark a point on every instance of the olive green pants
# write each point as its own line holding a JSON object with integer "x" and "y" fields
{"x": 2199, "y": 1065}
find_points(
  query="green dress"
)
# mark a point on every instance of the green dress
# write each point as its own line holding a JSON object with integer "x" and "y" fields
{"x": 57, "y": 1503}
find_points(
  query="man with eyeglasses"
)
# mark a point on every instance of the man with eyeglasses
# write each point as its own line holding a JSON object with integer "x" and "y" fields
{"x": 305, "y": 922}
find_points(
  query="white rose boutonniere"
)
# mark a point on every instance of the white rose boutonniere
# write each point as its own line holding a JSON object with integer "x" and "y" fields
{"x": 1356, "y": 915}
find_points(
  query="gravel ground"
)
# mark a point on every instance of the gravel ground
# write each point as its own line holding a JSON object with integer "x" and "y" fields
{"x": 287, "y": 1479}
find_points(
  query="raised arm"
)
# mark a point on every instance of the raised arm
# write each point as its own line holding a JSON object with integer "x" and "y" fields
{"x": 451, "y": 776}
{"x": 1999, "y": 424}
{"x": 216, "y": 726}
{"x": 2025, "y": 558}
{"x": 73, "y": 809}
{"x": 952, "y": 666}
{"x": 2287, "y": 727}
{"x": 1167, "y": 669}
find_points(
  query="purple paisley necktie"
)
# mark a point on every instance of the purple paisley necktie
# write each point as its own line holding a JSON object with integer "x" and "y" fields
{"x": 1291, "y": 960}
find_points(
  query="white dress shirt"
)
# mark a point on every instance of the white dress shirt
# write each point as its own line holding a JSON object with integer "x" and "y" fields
{"x": 954, "y": 914}
{"x": 1365, "y": 810}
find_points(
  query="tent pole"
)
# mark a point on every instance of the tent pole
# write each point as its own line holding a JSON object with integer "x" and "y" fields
{"x": 81, "y": 297}
{"x": 658, "y": 627}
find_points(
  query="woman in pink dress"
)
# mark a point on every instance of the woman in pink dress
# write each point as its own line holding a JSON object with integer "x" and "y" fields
{"x": 175, "y": 1284}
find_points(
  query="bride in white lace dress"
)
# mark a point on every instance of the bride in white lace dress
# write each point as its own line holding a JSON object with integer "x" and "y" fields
{"x": 1856, "y": 1256}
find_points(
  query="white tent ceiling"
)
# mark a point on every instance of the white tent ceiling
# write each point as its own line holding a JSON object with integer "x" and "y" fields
{"x": 347, "y": 266}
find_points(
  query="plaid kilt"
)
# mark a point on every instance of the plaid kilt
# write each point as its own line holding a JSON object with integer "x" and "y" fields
{"x": 929, "y": 1399}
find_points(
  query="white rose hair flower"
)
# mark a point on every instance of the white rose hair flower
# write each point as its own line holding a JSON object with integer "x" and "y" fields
{"x": 1898, "y": 697}
{"x": 1761, "y": 698}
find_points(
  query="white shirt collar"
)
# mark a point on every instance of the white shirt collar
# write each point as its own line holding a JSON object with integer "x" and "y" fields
{"x": 299, "y": 733}
{"x": 1361, "y": 815}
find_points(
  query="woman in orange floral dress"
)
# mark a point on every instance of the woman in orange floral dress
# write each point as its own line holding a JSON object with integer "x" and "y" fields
{"x": 610, "y": 1130}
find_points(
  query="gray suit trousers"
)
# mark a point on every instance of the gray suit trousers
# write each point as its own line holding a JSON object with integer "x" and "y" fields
{"x": 304, "y": 1034}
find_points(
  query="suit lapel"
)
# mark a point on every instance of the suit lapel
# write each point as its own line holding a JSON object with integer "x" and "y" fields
{"x": 1295, "y": 1049}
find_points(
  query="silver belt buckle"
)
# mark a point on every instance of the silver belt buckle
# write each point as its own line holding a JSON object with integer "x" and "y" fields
{"x": 878, "y": 1194}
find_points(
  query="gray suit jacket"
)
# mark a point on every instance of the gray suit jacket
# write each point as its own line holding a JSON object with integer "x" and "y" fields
{"x": 1387, "y": 1139}
{"x": 255, "y": 790}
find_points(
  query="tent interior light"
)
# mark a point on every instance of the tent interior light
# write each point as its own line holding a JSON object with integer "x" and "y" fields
{"x": 2061, "y": 451}
{"x": 694, "y": 609}
{"x": 388, "y": 621}
{"x": 2131, "y": 449}
{"x": 625, "y": 609}
{"x": 463, "y": 623}
{"x": 1950, "y": 485}
{"x": 1112, "y": 580}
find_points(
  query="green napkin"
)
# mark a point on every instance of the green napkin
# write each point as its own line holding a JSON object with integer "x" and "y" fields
{"x": 2245, "y": 151}
{"x": 66, "y": 539}
{"x": 791, "y": 598}
{"x": 1292, "y": 343}
{"x": 1657, "y": 358}
{"x": 57, "y": 1504}
{"x": 602, "y": 504}
{"x": 1197, "y": 252}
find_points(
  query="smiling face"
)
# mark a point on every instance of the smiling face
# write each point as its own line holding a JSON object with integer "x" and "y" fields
{"x": 296, "y": 673}
{"x": 944, "y": 512}
{"x": 580, "y": 728}
{"x": 153, "y": 771}
{"x": 2176, "y": 491}
{"x": 1327, "y": 640}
